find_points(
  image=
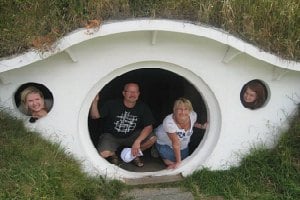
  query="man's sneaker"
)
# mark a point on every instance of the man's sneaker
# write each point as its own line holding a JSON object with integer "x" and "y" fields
{"x": 113, "y": 159}
{"x": 154, "y": 152}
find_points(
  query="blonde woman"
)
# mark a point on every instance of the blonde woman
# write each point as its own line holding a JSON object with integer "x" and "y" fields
{"x": 173, "y": 135}
{"x": 33, "y": 102}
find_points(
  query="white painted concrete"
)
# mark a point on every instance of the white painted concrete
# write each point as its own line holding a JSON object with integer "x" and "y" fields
{"x": 217, "y": 64}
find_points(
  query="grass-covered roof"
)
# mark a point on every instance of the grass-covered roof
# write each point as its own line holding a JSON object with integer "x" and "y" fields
{"x": 271, "y": 25}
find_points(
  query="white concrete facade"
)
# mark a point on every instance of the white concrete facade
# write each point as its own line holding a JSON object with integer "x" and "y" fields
{"x": 217, "y": 64}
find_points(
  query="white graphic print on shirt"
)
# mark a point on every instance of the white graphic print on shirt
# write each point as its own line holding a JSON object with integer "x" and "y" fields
{"x": 126, "y": 123}
{"x": 182, "y": 134}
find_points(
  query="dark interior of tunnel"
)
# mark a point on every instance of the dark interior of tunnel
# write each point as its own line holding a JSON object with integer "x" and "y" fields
{"x": 159, "y": 89}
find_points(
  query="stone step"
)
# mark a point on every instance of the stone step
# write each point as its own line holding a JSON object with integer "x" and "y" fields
{"x": 159, "y": 194}
{"x": 154, "y": 179}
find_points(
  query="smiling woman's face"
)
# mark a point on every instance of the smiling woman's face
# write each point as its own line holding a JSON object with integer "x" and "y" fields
{"x": 249, "y": 96}
{"x": 35, "y": 102}
{"x": 181, "y": 113}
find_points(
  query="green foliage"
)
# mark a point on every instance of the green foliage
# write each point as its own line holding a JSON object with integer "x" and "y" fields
{"x": 32, "y": 168}
{"x": 269, "y": 24}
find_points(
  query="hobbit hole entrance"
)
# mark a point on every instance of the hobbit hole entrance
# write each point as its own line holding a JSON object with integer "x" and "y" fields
{"x": 159, "y": 89}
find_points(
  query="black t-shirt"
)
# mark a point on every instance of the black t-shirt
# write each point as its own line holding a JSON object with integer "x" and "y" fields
{"x": 122, "y": 121}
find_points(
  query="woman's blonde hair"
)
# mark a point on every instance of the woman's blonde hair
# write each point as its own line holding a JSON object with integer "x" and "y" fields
{"x": 183, "y": 101}
{"x": 29, "y": 90}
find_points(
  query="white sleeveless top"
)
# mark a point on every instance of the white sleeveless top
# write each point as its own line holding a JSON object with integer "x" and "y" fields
{"x": 170, "y": 126}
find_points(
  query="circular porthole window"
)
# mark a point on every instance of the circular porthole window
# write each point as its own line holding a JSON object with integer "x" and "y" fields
{"x": 33, "y": 99}
{"x": 254, "y": 94}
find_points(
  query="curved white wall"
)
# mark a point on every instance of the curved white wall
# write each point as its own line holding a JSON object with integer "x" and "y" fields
{"x": 199, "y": 54}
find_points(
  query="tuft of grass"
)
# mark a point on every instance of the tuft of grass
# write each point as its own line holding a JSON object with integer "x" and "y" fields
{"x": 273, "y": 26}
{"x": 264, "y": 174}
{"x": 32, "y": 168}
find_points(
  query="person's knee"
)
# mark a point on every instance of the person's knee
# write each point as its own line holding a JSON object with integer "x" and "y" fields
{"x": 153, "y": 139}
{"x": 148, "y": 143}
{"x": 106, "y": 154}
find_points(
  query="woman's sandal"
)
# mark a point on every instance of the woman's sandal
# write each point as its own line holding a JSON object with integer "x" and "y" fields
{"x": 138, "y": 162}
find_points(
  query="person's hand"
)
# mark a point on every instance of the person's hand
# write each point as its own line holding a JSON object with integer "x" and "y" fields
{"x": 94, "y": 112}
{"x": 173, "y": 165}
{"x": 136, "y": 147}
{"x": 204, "y": 126}
{"x": 201, "y": 126}
{"x": 96, "y": 99}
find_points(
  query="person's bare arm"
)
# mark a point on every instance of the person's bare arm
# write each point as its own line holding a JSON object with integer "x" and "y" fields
{"x": 201, "y": 126}
{"x": 143, "y": 135}
{"x": 176, "y": 148}
{"x": 94, "y": 112}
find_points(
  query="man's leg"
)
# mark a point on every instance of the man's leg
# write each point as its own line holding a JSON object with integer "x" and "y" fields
{"x": 107, "y": 147}
{"x": 106, "y": 154}
{"x": 147, "y": 143}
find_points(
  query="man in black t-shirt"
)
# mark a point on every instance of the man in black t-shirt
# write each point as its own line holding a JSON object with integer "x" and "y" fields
{"x": 128, "y": 122}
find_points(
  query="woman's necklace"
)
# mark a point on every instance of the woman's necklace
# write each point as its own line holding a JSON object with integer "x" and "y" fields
{"x": 184, "y": 124}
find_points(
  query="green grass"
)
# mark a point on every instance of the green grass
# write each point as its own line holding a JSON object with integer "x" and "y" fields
{"x": 32, "y": 168}
{"x": 271, "y": 25}
{"x": 264, "y": 174}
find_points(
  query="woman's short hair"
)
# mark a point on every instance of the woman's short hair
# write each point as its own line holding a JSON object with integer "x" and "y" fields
{"x": 183, "y": 101}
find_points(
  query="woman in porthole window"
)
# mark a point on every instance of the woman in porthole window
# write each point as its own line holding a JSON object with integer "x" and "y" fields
{"x": 254, "y": 94}
{"x": 34, "y": 100}
{"x": 33, "y": 103}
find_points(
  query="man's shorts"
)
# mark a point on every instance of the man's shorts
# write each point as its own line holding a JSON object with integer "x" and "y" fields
{"x": 108, "y": 142}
